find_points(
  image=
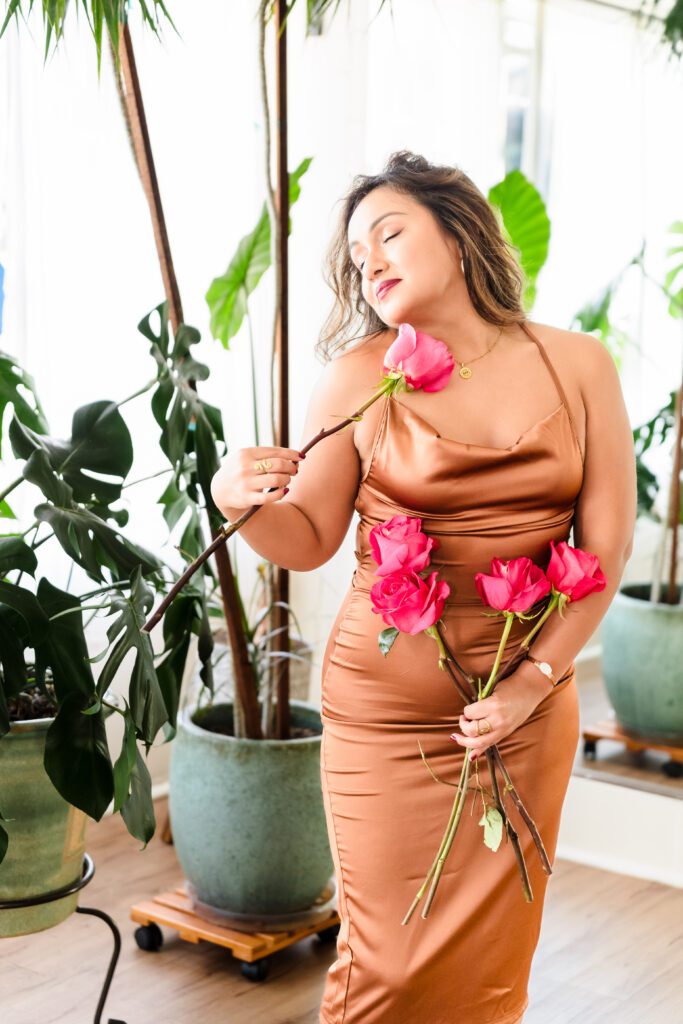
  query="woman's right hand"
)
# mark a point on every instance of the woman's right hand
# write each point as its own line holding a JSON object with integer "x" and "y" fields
{"x": 239, "y": 484}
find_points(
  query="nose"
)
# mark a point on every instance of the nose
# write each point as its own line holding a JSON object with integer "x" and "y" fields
{"x": 374, "y": 267}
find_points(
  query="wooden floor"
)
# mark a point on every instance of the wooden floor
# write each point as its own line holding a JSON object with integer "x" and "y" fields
{"x": 611, "y": 952}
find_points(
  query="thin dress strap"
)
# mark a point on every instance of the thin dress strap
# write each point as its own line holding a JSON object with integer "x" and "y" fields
{"x": 558, "y": 383}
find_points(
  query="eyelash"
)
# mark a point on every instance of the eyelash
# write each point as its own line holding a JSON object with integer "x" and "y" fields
{"x": 360, "y": 265}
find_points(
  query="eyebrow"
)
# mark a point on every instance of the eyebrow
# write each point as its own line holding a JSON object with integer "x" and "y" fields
{"x": 376, "y": 222}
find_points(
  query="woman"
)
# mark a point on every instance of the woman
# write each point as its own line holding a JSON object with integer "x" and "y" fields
{"x": 529, "y": 439}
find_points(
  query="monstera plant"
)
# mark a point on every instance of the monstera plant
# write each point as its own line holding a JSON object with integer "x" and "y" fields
{"x": 45, "y": 667}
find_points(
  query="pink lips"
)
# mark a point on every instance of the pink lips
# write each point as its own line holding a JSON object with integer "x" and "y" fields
{"x": 385, "y": 286}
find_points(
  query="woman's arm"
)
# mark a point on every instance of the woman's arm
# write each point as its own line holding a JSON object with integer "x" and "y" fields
{"x": 604, "y": 522}
{"x": 304, "y": 529}
{"x": 605, "y": 513}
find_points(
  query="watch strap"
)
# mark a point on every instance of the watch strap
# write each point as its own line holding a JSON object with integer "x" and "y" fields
{"x": 543, "y": 666}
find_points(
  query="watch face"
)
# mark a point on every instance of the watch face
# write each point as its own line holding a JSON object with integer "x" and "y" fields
{"x": 545, "y": 667}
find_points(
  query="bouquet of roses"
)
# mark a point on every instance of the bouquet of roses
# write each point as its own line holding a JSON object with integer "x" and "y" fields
{"x": 410, "y": 603}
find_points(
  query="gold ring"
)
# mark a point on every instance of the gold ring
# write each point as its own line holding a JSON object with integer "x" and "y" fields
{"x": 481, "y": 732}
{"x": 263, "y": 466}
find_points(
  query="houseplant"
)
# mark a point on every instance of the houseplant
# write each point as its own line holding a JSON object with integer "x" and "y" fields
{"x": 644, "y": 624}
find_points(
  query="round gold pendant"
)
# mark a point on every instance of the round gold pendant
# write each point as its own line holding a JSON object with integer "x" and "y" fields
{"x": 465, "y": 372}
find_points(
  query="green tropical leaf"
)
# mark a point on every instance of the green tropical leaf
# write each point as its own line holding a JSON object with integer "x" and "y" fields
{"x": 28, "y": 606}
{"x": 138, "y": 809}
{"x": 83, "y": 535}
{"x": 26, "y": 404}
{"x": 189, "y": 426}
{"x": 15, "y": 553}
{"x": 100, "y": 443}
{"x": 146, "y": 700}
{"x": 125, "y": 763}
{"x": 182, "y": 618}
{"x": 228, "y": 294}
{"x": 77, "y": 757}
{"x": 63, "y": 648}
{"x": 526, "y": 223}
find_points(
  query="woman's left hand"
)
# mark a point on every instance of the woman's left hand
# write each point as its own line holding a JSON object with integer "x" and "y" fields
{"x": 513, "y": 699}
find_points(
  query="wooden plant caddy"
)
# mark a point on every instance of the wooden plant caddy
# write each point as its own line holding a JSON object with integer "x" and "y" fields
{"x": 173, "y": 909}
{"x": 610, "y": 729}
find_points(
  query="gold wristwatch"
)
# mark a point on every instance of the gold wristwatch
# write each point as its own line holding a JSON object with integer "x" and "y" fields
{"x": 544, "y": 666}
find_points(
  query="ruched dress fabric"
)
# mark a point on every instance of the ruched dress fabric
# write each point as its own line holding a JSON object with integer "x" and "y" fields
{"x": 469, "y": 960}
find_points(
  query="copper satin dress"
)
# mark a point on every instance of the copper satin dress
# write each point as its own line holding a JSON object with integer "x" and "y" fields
{"x": 469, "y": 961}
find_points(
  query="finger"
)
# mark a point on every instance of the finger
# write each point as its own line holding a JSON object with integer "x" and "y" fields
{"x": 473, "y": 741}
{"x": 284, "y": 454}
{"x": 261, "y": 497}
{"x": 470, "y": 726}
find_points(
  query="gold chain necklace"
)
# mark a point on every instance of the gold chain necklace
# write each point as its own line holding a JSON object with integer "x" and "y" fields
{"x": 465, "y": 371}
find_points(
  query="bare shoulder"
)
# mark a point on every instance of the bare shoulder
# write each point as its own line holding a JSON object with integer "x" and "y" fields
{"x": 579, "y": 358}
{"x": 352, "y": 377}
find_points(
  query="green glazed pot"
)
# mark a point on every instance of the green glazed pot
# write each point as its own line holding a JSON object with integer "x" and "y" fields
{"x": 642, "y": 663}
{"x": 247, "y": 815}
{"x": 46, "y": 837}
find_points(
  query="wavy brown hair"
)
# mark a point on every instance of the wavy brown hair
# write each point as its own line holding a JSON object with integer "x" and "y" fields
{"x": 494, "y": 277}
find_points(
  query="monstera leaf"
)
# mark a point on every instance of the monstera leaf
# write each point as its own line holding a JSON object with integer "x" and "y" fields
{"x": 146, "y": 700}
{"x": 227, "y": 295}
{"x": 83, "y": 535}
{"x": 26, "y": 404}
{"x": 76, "y": 753}
{"x": 527, "y": 225}
{"x": 100, "y": 443}
{"x": 189, "y": 426}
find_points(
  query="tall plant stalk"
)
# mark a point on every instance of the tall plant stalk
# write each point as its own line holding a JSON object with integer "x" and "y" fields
{"x": 130, "y": 93}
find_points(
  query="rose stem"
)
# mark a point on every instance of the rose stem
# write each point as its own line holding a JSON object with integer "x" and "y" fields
{"x": 450, "y": 835}
{"x": 226, "y": 531}
{"x": 507, "y": 669}
{"x": 526, "y": 885}
{"x": 523, "y": 811}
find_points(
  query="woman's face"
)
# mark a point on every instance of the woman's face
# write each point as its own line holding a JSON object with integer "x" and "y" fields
{"x": 393, "y": 236}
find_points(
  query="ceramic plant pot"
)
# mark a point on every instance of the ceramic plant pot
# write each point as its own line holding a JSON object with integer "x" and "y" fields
{"x": 247, "y": 815}
{"x": 46, "y": 837}
{"x": 642, "y": 663}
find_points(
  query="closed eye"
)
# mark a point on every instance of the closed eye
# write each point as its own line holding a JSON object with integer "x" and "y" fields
{"x": 361, "y": 265}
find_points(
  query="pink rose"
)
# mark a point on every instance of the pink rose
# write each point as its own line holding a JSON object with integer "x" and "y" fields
{"x": 408, "y": 602}
{"x": 424, "y": 361}
{"x": 399, "y": 545}
{"x": 513, "y": 586}
{"x": 574, "y": 572}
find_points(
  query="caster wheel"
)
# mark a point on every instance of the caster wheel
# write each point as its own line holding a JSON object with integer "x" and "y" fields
{"x": 674, "y": 769}
{"x": 149, "y": 937}
{"x": 589, "y": 749}
{"x": 257, "y": 970}
{"x": 329, "y": 934}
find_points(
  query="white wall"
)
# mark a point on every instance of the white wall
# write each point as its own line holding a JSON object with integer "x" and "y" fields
{"x": 76, "y": 240}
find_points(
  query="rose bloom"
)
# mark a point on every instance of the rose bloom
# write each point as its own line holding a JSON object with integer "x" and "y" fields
{"x": 399, "y": 545}
{"x": 513, "y": 586}
{"x": 408, "y": 602}
{"x": 573, "y": 571}
{"x": 425, "y": 361}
